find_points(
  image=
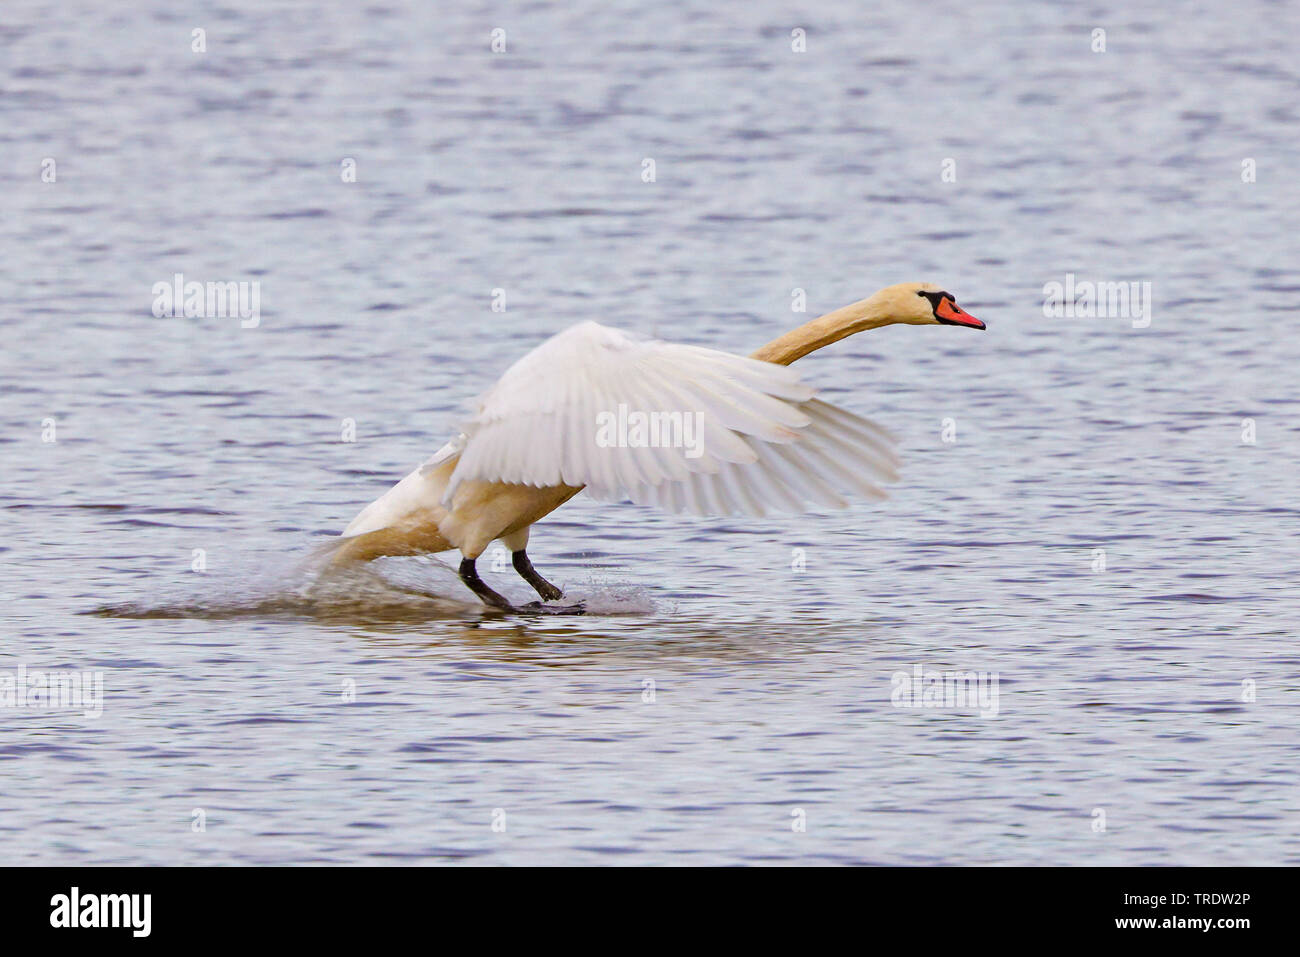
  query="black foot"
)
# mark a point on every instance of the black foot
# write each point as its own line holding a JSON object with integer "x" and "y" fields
{"x": 529, "y": 574}
{"x": 538, "y": 608}
{"x": 469, "y": 575}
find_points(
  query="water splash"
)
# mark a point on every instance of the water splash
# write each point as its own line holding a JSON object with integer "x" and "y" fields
{"x": 418, "y": 588}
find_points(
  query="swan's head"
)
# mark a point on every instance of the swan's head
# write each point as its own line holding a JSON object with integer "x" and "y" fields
{"x": 915, "y": 303}
{"x": 923, "y": 304}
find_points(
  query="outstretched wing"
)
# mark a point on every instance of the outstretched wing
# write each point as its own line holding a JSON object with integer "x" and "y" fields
{"x": 676, "y": 426}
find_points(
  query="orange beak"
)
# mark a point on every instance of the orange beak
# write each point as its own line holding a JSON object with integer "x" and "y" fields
{"x": 949, "y": 312}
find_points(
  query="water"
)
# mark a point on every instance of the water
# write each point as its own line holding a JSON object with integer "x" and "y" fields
{"x": 1123, "y": 691}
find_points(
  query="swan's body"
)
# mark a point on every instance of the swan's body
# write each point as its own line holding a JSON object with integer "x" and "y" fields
{"x": 680, "y": 427}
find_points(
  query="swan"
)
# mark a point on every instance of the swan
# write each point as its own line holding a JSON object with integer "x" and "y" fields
{"x": 681, "y": 427}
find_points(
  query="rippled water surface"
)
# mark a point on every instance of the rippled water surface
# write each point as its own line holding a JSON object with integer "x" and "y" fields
{"x": 717, "y": 695}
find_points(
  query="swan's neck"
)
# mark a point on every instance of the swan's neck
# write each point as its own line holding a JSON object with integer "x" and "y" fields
{"x": 822, "y": 331}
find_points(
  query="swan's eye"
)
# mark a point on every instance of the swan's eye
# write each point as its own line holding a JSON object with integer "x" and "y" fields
{"x": 935, "y": 297}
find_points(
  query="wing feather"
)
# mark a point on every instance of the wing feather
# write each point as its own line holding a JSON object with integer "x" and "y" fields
{"x": 738, "y": 436}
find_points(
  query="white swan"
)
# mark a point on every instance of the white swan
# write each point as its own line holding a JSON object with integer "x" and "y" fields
{"x": 680, "y": 427}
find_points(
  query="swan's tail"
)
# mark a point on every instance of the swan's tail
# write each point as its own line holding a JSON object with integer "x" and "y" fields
{"x": 355, "y": 549}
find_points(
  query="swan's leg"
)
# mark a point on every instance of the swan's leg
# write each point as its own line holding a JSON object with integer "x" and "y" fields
{"x": 517, "y": 541}
{"x": 469, "y": 575}
{"x": 529, "y": 574}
